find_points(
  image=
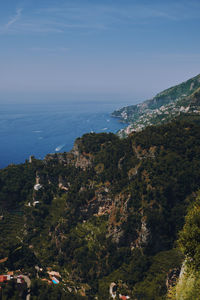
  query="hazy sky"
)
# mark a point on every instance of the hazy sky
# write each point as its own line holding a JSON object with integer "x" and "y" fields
{"x": 126, "y": 49}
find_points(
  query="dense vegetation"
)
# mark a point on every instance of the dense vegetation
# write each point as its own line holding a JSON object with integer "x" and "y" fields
{"x": 109, "y": 211}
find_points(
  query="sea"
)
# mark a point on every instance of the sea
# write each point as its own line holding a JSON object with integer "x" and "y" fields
{"x": 41, "y": 128}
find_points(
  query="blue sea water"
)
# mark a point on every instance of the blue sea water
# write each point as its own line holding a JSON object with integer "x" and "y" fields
{"x": 41, "y": 128}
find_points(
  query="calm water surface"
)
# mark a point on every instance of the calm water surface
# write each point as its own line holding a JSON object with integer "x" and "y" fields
{"x": 38, "y": 129}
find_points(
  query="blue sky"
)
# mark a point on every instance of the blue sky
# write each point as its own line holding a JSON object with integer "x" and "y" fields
{"x": 108, "y": 49}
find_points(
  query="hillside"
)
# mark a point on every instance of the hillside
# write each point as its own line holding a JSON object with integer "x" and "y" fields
{"x": 165, "y": 106}
{"x": 105, "y": 216}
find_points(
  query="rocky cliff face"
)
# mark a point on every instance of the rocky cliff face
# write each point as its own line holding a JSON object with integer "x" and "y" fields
{"x": 81, "y": 160}
{"x": 144, "y": 235}
{"x": 74, "y": 157}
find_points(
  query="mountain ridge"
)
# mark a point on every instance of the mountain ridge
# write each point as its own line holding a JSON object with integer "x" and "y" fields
{"x": 162, "y": 108}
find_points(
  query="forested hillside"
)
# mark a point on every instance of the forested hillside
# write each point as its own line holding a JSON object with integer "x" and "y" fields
{"x": 106, "y": 216}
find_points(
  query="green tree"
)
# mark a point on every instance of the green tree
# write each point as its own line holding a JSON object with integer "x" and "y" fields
{"x": 189, "y": 238}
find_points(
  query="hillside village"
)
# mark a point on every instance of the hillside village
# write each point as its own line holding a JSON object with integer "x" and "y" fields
{"x": 169, "y": 104}
{"x": 162, "y": 115}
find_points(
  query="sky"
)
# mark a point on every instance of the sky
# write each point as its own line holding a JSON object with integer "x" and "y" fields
{"x": 96, "y": 49}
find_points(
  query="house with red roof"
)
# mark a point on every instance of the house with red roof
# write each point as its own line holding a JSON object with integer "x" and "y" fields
{"x": 3, "y": 278}
{"x": 123, "y": 297}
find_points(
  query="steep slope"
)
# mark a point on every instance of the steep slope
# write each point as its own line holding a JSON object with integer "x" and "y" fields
{"x": 108, "y": 212}
{"x": 187, "y": 285}
{"x": 163, "y": 107}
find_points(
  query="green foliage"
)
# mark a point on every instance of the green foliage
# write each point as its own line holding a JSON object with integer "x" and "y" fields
{"x": 15, "y": 185}
{"x": 189, "y": 237}
{"x": 153, "y": 286}
{"x": 187, "y": 288}
{"x": 134, "y": 193}
{"x": 43, "y": 291}
{"x": 10, "y": 291}
{"x": 130, "y": 272}
{"x": 21, "y": 257}
{"x": 92, "y": 142}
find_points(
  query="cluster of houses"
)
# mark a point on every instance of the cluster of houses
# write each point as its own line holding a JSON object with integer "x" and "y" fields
{"x": 54, "y": 277}
{"x": 10, "y": 276}
{"x": 5, "y": 278}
